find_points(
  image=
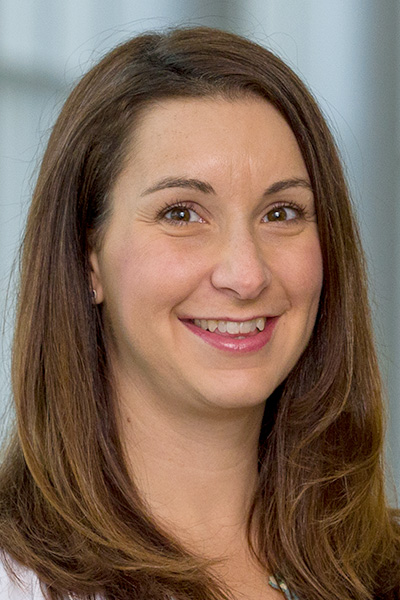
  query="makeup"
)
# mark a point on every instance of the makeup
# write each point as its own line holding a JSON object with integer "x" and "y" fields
{"x": 241, "y": 344}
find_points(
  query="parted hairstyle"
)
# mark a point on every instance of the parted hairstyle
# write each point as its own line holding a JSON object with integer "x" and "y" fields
{"x": 69, "y": 510}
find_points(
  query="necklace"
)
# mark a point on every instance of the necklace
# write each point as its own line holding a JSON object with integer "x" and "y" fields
{"x": 279, "y": 584}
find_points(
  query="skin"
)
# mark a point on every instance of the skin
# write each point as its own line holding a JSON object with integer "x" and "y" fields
{"x": 191, "y": 413}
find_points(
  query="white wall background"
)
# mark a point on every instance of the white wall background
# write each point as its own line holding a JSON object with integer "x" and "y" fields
{"x": 346, "y": 50}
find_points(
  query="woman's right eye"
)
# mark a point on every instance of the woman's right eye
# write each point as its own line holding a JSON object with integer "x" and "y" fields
{"x": 180, "y": 215}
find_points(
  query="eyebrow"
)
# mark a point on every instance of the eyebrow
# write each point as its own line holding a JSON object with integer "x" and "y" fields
{"x": 206, "y": 188}
{"x": 281, "y": 186}
{"x": 180, "y": 182}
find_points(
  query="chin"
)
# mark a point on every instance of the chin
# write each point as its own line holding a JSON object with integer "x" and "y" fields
{"x": 238, "y": 397}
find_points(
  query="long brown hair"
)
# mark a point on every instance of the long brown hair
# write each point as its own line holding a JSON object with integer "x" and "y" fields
{"x": 68, "y": 508}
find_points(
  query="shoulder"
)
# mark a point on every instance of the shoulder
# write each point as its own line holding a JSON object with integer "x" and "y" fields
{"x": 25, "y": 586}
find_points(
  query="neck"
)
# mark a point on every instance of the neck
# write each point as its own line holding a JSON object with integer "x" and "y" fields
{"x": 197, "y": 473}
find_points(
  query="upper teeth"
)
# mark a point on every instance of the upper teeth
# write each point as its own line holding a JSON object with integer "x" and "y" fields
{"x": 235, "y": 327}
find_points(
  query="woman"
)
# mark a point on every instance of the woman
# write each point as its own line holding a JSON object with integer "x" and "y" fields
{"x": 197, "y": 395}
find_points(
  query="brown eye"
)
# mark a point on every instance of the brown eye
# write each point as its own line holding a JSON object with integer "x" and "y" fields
{"x": 281, "y": 213}
{"x": 181, "y": 214}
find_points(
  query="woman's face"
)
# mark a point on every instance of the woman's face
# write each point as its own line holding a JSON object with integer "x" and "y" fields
{"x": 212, "y": 238}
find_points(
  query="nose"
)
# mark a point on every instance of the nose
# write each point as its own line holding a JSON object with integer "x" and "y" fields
{"x": 240, "y": 268}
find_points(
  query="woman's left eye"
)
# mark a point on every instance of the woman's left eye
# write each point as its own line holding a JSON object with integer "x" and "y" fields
{"x": 282, "y": 213}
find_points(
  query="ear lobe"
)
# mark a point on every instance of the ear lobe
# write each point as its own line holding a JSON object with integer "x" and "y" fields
{"x": 97, "y": 286}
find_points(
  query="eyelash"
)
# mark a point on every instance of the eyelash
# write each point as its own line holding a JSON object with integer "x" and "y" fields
{"x": 299, "y": 208}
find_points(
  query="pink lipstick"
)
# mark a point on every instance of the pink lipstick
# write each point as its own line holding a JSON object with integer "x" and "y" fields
{"x": 242, "y": 343}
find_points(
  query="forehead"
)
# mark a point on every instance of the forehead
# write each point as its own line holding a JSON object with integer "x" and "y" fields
{"x": 243, "y": 140}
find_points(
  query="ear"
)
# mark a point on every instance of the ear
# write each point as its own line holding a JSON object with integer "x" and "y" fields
{"x": 96, "y": 277}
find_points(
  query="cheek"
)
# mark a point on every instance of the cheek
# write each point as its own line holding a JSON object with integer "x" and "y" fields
{"x": 152, "y": 271}
{"x": 302, "y": 273}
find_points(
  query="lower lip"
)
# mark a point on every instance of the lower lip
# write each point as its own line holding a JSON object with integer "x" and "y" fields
{"x": 234, "y": 344}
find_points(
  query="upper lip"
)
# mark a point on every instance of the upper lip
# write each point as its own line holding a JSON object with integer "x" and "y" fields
{"x": 228, "y": 318}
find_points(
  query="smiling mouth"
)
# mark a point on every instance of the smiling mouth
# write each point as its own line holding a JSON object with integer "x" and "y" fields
{"x": 237, "y": 329}
{"x": 235, "y": 337}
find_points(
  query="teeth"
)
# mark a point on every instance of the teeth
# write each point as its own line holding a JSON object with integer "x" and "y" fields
{"x": 212, "y": 325}
{"x": 222, "y": 326}
{"x": 260, "y": 324}
{"x": 246, "y": 326}
{"x": 232, "y": 327}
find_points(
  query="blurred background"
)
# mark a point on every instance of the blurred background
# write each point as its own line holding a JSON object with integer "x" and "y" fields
{"x": 347, "y": 51}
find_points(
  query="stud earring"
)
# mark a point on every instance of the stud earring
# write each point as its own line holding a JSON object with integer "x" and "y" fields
{"x": 94, "y": 296}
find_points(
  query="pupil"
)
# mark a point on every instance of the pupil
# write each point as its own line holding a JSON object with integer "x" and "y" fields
{"x": 180, "y": 214}
{"x": 277, "y": 215}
